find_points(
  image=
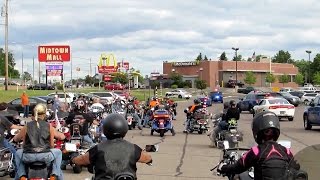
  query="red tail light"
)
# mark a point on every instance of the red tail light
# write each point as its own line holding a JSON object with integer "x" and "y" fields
{"x": 281, "y": 106}
{"x": 274, "y": 107}
{"x": 291, "y": 107}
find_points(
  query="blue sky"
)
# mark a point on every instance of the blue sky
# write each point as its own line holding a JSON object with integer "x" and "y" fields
{"x": 147, "y": 32}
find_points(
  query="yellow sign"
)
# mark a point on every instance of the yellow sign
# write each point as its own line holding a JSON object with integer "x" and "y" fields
{"x": 107, "y": 60}
{"x": 275, "y": 89}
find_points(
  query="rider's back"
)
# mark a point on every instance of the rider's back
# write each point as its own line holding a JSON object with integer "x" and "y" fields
{"x": 232, "y": 113}
{"x": 37, "y": 139}
{"x": 114, "y": 156}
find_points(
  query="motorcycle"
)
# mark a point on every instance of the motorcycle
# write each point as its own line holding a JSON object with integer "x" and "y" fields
{"x": 131, "y": 121}
{"x": 199, "y": 122}
{"x": 6, "y": 161}
{"x": 162, "y": 123}
{"x": 232, "y": 135}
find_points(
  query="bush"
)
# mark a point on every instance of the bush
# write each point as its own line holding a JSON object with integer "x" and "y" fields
{"x": 174, "y": 86}
{"x": 60, "y": 86}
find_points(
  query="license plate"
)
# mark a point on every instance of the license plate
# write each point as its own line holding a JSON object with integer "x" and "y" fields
{"x": 282, "y": 112}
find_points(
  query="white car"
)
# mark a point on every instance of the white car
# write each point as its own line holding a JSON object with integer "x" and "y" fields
{"x": 308, "y": 97}
{"x": 180, "y": 93}
{"x": 69, "y": 96}
{"x": 308, "y": 89}
{"x": 281, "y": 107}
{"x": 286, "y": 90}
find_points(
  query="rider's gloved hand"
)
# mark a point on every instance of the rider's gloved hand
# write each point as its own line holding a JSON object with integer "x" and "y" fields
{"x": 220, "y": 168}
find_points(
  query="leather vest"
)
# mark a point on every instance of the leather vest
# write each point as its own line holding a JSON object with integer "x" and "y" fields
{"x": 113, "y": 157}
{"x": 37, "y": 140}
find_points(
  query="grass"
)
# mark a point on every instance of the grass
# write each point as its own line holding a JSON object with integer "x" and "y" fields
{"x": 12, "y": 93}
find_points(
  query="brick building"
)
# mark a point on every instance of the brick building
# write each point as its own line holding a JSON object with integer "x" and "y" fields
{"x": 216, "y": 72}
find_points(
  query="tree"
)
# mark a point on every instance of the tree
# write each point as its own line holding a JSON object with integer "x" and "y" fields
{"x": 200, "y": 84}
{"x": 316, "y": 78}
{"x": 26, "y": 76}
{"x": 258, "y": 58}
{"x": 89, "y": 80}
{"x": 199, "y": 58}
{"x": 205, "y": 58}
{"x": 315, "y": 65}
{"x": 176, "y": 78}
{"x": 223, "y": 57}
{"x": 120, "y": 77}
{"x": 299, "y": 79}
{"x": 239, "y": 58}
{"x": 12, "y": 72}
{"x": 282, "y": 57}
{"x": 250, "y": 78}
{"x": 249, "y": 59}
{"x": 283, "y": 79}
{"x": 270, "y": 78}
{"x": 303, "y": 67}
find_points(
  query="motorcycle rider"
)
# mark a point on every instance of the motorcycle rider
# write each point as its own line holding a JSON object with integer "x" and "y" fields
{"x": 131, "y": 109}
{"x": 268, "y": 158}
{"x": 190, "y": 112}
{"x": 96, "y": 104}
{"x": 171, "y": 103}
{"x": 86, "y": 120}
{"x": 119, "y": 155}
{"x": 38, "y": 144}
{"x": 154, "y": 102}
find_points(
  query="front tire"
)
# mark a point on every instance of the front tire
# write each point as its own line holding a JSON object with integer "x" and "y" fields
{"x": 290, "y": 118}
{"x": 306, "y": 123}
{"x": 77, "y": 169}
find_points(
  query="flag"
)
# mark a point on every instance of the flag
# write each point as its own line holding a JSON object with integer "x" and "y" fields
{"x": 254, "y": 56}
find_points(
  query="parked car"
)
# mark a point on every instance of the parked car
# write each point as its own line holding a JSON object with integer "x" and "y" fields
{"x": 247, "y": 90}
{"x": 114, "y": 86}
{"x": 42, "y": 86}
{"x": 250, "y": 100}
{"x": 16, "y": 103}
{"x": 104, "y": 96}
{"x": 13, "y": 83}
{"x": 311, "y": 116}
{"x": 180, "y": 93}
{"x": 232, "y": 83}
{"x": 297, "y": 93}
{"x": 69, "y": 96}
{"x": 216, "y": 96}
{"x": 308, "y": 97}
{"x": 43, "y": 97}
{"x": 308, "y": 89}
{"x": 281, "y": 107}
{"x": 286, "y": 90}
{"x": 209, "y": 101}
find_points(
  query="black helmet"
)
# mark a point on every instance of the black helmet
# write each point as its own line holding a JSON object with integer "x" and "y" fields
{"x": 197, "y": 101}
{"x": 233, "y": 103}
{"x": 115, "y": 126}
{"x": 226, "y": 105}
{"x": 50, "y": 101}
{"x": 263, "y": 121}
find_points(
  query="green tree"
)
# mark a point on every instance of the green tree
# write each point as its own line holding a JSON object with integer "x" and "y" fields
{"x": 302, "y": 66}
{"x": 299, "y": 79}
{"x": 258, "y": 57}
{"x": 239, "y": 58}
{"x": 249, "y": 59}
{"x": 315, "y": 65}
{"x": 89, "y": 80}
{"x": 283, "y": 79}
{"x": 26, "y": 76}
{"x": 120, "y": 77}
{"x": 250, "y": 78}
{"x": 205, "y": 58}
{"x": 12, "y": 72}
{"x": 223, "y": 57}
{"x": 270, "y": 78}
{"x": 282, "y": 57}
{"x": 176, "y": 78}
{"x": 316, "y": 78}
{"x": 199, "y": 57}
{"x": 200, "y": 84}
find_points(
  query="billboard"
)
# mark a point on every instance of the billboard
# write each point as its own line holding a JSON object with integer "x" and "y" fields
{"x": 124, "y": 65}
{"x": 54, "y": 67}
{"x": 54, "y": 53}
{"x": 54, "y": 72}
{"x": 107, "y": 64}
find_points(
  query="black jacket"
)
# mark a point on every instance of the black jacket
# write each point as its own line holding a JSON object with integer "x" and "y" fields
{"x": 231, "y": 113}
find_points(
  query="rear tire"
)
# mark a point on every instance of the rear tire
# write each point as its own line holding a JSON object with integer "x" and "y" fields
{"x": 77, "y": 169}
{"x": 306, "y": 123}
{"x": 130, "y": 127}
{"x": 290, "y": 118}
{"x": 200, "y": 132}
{"x": 161, "y": 132}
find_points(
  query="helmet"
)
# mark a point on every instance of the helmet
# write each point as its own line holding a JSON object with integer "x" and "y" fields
{"x": 80, "y": 105}
{"x": 226, "y": 105}
{"x": 154, "y": 98}
{"x": 197, "y": 101}
{"x": 130, "y": 99}
{"x": 115, "y": 126}
{"x": 50, "y": 101}
{"x": 232, "y": 103}
{"x": 263, "y": 121}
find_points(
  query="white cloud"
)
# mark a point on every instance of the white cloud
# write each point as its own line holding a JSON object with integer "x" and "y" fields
{"x": 147, "y": 32}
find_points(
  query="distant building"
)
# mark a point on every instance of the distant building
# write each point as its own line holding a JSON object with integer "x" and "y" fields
{"x": 216, "y": 72}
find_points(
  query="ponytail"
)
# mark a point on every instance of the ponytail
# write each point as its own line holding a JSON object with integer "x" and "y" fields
{"x": 36, "y": 117}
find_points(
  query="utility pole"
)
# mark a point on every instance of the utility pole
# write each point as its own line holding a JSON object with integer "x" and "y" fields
{"x": 90, "y": 69}
{"x": 6, "y": 45}
{"x": 33, "y": 70}
{"x": 22, "y": 66}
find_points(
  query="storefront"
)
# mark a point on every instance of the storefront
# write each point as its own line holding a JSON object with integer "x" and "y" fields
{"x": 219, "y": 72}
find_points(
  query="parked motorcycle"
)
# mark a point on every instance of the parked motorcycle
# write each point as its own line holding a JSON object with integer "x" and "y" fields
{"x": 162, "y": 123}
{"x": 6, "y": 161}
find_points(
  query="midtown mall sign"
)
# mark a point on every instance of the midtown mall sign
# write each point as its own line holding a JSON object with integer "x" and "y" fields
{"x": 189, "y": 63}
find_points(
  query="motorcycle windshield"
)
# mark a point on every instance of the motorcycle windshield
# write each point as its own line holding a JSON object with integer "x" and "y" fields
{"x": 306, "y": 163}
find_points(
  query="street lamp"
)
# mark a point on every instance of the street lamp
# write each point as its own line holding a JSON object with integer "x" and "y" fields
{"x": 201, "y": 69}
{"x": 308, "y": 77}
{"x": 236, "y": 52}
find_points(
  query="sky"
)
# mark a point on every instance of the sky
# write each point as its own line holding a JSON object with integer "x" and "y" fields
{"x": 147, "y": 32}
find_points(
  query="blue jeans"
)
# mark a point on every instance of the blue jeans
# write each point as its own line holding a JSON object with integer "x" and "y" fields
{"x": 54, "y": 156}
{"x": 146, "y": 119}
{"x": 8, "y": 145}
{"x": 223, "y": 125}
{"x": 88, "y": 139}
{"x": 26, "y": 111}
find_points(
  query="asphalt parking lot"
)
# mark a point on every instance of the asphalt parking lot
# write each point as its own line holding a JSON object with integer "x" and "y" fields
{"x": 188, "y": 156}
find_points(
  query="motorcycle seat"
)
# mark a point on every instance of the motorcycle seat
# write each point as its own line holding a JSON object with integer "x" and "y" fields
{"x": 36, "y": 164}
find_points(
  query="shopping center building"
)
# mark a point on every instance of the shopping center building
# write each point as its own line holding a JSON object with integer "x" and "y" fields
{"x": 220, "y": 72}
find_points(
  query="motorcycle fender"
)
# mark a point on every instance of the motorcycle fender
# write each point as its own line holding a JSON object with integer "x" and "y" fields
{"x": 129, "y": 122}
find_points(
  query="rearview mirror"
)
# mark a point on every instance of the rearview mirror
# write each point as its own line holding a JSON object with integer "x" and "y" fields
{"x": 152, "y": 148}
